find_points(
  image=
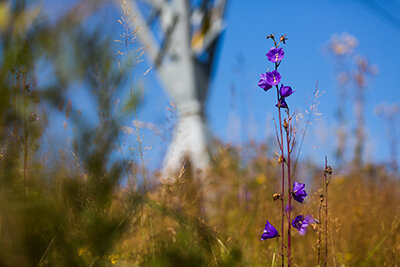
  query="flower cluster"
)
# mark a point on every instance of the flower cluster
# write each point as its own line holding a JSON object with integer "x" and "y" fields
{"x": 273, "y": 78}
{"x": 267, "y": 81}
{"x": 300, "y": 222}
{"x": 285, "y": 137}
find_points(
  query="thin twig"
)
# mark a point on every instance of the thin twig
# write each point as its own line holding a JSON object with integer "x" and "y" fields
{"x": 45, "y": 252}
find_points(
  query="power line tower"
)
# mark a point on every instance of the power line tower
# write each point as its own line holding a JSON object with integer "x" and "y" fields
{"x": 183, "y": 55}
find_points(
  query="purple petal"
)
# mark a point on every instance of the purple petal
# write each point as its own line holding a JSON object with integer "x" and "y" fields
{"x": 299, "y": 194}
{"x": 301, "y": 223}
{"x": 263, "y": 82}
{"x": 269, "y": 232}
{"x": 275, "y": 54}
{"x": 298, "y": 186}
{"x": 282, "y": 103}
{"x": 309, "y": 219}
{"x": 285, "y": 91}
{"x": 296, "y": 223}
{"x": 287, "y": 208}
{"x": 273, "y": 77}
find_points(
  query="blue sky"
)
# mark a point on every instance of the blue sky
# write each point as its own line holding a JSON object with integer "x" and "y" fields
{"x": 309, "y": 26}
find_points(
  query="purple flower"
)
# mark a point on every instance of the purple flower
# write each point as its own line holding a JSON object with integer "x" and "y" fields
{"x": 285, "y": 91}
{"x": 299, "y": 193}
{"x": 269, "y": 232}
{"x": 263, "y": 82}
{"x": 301, "y": 223}
{"x": 287, "y": 208}
{"x": 282, "y": 103}
{"x": 273, "y": 77}
{"x": 275, "y": 54}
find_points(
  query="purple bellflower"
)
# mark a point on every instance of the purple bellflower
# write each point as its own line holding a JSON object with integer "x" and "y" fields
{"x": 301, "y": 223}
{"x": 299, "y": 193}
{"x": 275, "y": 54}
{"x": 282, "y": 103}
{"x": 269, "y": 232}
{"x": 263, "y": 82}
{"x": 285, "y": 91}
{"x": 273, "y": 77}
{"x": 287, "y": 208}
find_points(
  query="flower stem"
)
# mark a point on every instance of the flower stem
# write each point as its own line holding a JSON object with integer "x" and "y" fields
{"x": 273, "y": 257}
{"x": 283, "y": 188}
{"x": 288, "y": 130}
{"x": 319, "y": 232}
{"x": 282, "y": 159}
{"x": 327, "y": 174}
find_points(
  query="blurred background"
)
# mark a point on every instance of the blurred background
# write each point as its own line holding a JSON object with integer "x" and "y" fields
{"x": 236, "y": 109}
{"x": 102, "y": 100}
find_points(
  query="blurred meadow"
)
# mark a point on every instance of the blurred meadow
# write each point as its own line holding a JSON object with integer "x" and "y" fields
{"x": 94, "y": 106}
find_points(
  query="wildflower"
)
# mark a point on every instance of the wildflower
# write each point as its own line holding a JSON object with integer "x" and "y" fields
{"x": 275, "y": 54}
{"x": 271, "y": 36}
{"x": 287, "y": 208}
{"x": 285, "y": 91}
{"x": 273, "y": 77}
{"x": 269, "y": 232}
{"x": 283, "y": 39}
{"x": 282, "y": 103}
{"x": 301, "y": 223}
{"x": 299, "y": 193}
{"x": 113, "y": 258}
{"x": 263, "y": 82}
